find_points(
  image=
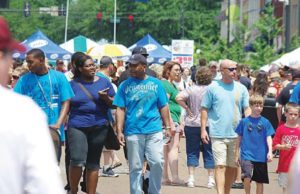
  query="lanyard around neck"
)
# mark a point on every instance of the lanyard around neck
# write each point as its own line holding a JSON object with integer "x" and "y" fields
{"x": 49, "y": 103}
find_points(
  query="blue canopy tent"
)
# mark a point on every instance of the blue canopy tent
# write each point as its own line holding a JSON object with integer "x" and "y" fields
{"x": 157, "y": 53}
{"x": 41, "y": 41}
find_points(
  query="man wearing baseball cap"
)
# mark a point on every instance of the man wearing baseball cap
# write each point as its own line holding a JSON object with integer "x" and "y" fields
{"x": 24, "y": 170}
{"x": 142, "y": 51}
{"x": 106, "y": 67}
{"x": 106, "y": 71}
{"x": 141, "y": 103}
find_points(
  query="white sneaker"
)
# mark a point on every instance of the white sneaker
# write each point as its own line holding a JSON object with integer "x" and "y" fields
{"x": 190, "y": 183}
{"x": 211, "y": 182}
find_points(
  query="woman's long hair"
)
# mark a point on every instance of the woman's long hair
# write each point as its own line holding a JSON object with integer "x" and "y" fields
{"x": 261, "y": 84}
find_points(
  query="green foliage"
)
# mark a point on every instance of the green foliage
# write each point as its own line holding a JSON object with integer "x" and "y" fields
{"x": 268, "y": 28}
{"x": 164, "y": 19}
{"x": 264, "y": 54}
{"x": 295, "y": 43}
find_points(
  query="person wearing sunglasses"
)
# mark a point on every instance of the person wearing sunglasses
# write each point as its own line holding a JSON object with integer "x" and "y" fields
{"x": 254, "y": 146}
{"x": 222, "y": 107}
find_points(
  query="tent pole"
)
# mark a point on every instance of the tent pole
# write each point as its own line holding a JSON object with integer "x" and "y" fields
{"x": 66, "y": 23}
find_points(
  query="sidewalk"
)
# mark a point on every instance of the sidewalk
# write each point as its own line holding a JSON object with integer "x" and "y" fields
{"x": 120, "y": 185}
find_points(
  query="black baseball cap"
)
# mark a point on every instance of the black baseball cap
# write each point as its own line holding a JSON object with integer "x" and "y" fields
{"x": 136, "y": 59}
{"x": 105, "y": 61}
{"x": 140, "y": 50}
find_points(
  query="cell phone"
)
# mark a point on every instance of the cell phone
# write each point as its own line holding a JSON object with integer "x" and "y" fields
{"x": 104, "y": 90}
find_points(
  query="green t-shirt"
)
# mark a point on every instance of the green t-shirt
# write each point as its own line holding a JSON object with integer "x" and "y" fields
{"x": 172, "y": 91}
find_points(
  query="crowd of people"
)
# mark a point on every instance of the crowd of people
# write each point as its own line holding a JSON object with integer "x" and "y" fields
{"x": 216, "y": 106}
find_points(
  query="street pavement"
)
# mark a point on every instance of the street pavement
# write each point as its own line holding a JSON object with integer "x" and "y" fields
{"x": 120, "y": 185}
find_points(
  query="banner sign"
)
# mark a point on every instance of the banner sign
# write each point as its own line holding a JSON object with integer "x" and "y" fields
{"x": 182, "y": 52}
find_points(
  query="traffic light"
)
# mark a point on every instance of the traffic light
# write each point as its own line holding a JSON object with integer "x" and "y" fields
{"x": 62, "y": 10}
{"x": 130, "y": 18}
{"x": 99, "y": 17}
{"x": 26, "y": 9}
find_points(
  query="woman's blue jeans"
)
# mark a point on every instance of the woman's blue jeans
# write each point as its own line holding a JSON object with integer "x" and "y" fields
{"x": 194, "y": 145}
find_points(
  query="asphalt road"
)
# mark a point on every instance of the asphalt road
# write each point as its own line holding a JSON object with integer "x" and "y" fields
{"x": 120, "y": 185}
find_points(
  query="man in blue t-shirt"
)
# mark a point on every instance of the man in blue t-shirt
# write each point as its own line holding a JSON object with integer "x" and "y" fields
{"x": 48, "y": 88}
{"x": 141, "y": 107}
{"x": 222, "y": 107}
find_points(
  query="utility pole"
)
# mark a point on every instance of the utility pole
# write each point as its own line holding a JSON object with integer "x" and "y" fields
{"x": 287, "y": 26}
{"x": 66, "y": 23}
{"x": 115, "y": 21}
{"x": 228, "y": 23}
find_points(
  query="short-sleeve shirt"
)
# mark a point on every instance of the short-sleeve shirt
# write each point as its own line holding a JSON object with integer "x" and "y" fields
{"x": 295, "y": 97}
{"x": 286, "y": 135}
{"x": 285, "y": 94}
{"x": 83, "y": 111}
{"x": 254, "y": 133}
{"x": 174, "y": 107}
{"x": 38, "y": 88}
{"x": 142, "y": 100}
{"x": 284, "y": 97}
{"x": 224, "y": 103}
{"x": 246, "y": 82}
{"x": 193, "y": 96}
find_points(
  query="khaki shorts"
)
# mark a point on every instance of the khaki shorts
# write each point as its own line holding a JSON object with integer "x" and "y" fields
{"x": 223, "y": 150}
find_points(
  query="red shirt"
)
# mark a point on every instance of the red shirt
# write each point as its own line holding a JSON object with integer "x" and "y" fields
{"x": 286, "y": 135}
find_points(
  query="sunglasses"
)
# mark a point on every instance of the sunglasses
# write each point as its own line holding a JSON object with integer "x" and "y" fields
{"x": 259, "y": 127}
{"x": 231, "y": 69}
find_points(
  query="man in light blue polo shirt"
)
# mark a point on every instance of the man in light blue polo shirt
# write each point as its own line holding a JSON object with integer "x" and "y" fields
{"x": 141, "y": 108}
{"x": 222, "y": 105}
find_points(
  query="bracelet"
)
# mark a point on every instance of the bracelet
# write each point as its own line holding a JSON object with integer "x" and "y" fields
{"x": 168, "y": 127}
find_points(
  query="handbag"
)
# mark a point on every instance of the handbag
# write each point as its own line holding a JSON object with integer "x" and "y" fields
{"x": 111, "y": 141}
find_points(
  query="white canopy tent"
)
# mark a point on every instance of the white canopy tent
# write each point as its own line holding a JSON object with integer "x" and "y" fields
{"x": 291, "y": 59}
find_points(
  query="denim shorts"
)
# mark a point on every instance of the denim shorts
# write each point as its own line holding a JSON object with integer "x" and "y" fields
{"x": 85, "y": 145}
{"x": 193, "y": 146}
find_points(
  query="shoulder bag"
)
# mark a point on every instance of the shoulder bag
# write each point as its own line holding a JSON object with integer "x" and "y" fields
{"x": 111, "y": 141}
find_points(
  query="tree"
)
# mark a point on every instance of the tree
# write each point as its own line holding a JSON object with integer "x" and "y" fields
{"x": 164, "y": 19}
{"x": 268, "y": 28}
